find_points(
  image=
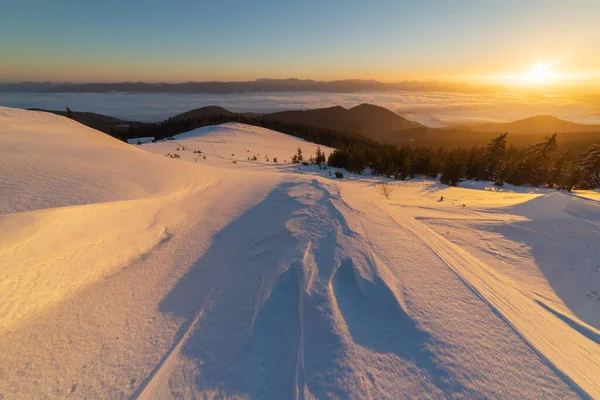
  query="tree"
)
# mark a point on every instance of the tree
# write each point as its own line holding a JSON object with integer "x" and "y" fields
{"x": 453, "y": 170}
{"x": 320, "y": 156}
{"x": 357, "y": 161}
{"x": 338, "y": 159}
{"x": 70, "y": 114}
{"x": 556, "y": 170}
{"x": 590, "y": 167}
{"x": 298, "y": 157}
{"x": 570, "y": 176}
{"x": 493, "y": 157}
{"x": 406, "y": 168}
{"x": 386, "y": 190}
{"x": 475, "y": 165}
{"x": 539, "y": 160}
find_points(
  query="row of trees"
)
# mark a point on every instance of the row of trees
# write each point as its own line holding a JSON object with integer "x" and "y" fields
{"x": 541, "y": 164}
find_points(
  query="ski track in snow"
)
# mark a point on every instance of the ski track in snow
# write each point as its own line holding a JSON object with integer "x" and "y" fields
{"x": 557, "y": 342}
{"x": 250, "y": 279}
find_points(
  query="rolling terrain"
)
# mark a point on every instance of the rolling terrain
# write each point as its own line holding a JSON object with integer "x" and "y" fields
{"x": 200, "y": 267}
{"x": 370, "y": 122}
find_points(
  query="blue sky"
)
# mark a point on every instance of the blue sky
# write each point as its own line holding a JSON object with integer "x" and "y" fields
{"x": 329, "y": 39}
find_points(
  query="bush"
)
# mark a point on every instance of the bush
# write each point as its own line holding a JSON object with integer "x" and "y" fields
{"x": 339, "y": 174}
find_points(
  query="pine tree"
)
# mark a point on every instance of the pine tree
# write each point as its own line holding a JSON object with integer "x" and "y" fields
{"x": 406, "y": 168}
{"x": 539, "y": 160}
{"x": 453, "y": 170}
{"x": 556, "y": 170}
{"x": 357, "y": 161}
{"x": 570, "y": 176}
{"x": 590, "y": 167}
{"x": 493, "y": 157}
{"x": 338, "y": 159}
{"x": 299, "y": 155}
{"x": 474, "y": 168}
{"x": 320, "y": 156}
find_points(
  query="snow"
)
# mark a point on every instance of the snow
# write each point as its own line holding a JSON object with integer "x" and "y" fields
{"x": 236, "y": 145}
{"x": 128, "y": 273}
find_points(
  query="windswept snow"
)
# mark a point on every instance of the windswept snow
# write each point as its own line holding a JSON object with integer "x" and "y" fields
{"x": 125, "y": 273}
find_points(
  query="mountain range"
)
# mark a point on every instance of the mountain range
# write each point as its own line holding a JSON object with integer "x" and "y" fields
{"x": 537, "y": 124}
{"x": 371, "y": 122}
{"x": 259, "y": 85}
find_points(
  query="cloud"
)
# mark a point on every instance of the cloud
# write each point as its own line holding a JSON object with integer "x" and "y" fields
{"x": 435, "y": 109}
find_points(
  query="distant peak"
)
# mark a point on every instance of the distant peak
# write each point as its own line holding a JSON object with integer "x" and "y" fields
{"x": 545, "y": 117}
{"x": 368, "y": 106}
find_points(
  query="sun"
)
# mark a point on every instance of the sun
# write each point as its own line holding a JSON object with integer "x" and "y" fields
{"x": 540, "y": 73}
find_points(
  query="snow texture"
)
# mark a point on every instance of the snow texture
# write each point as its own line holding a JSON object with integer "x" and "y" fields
{"x": 198, "y": 267}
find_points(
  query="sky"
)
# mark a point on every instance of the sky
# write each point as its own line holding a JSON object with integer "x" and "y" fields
{"x": 481, "y": 41}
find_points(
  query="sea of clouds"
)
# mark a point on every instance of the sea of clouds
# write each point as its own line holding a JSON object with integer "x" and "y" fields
{"x": 433, "y": 109}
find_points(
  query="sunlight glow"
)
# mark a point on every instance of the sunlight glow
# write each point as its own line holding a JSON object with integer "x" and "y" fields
{"x": 541, "y": 73}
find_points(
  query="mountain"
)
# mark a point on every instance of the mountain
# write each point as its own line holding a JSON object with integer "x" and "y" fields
{"x": 203, "y": 112}
{"x": 372, "y": 122}
{"x": 539, "y": 124}
{"x": 259, "y": 85}
{"x": 368, "y": 120}
{"x": 27, "y": 87}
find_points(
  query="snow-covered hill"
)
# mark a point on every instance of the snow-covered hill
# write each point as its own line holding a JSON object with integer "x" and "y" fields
{"x": 234, "y": 145}
{"x": 125, "y": 273}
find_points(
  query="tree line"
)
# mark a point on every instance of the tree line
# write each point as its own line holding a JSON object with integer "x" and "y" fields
{"x": 540, "y": 164}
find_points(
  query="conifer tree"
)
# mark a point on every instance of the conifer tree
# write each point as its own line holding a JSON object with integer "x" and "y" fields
{"x": 453, "y": 170}
{"x": 590, "y": 167}
{"x": 493, "y": 157}
{"x": 539, "y": 160}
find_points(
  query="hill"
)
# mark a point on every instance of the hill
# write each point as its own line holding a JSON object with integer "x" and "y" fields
{"x": 203, "y": 112}
{"x": 539, "y": 124}
{"x": 371, "y": 121}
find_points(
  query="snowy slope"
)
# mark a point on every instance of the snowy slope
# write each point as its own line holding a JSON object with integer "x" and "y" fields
{"x": 234, "y": 145}
{"x": 125, "y": 273}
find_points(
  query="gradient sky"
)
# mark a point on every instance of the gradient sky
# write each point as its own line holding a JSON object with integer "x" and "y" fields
{"x": 175, "y": 41}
